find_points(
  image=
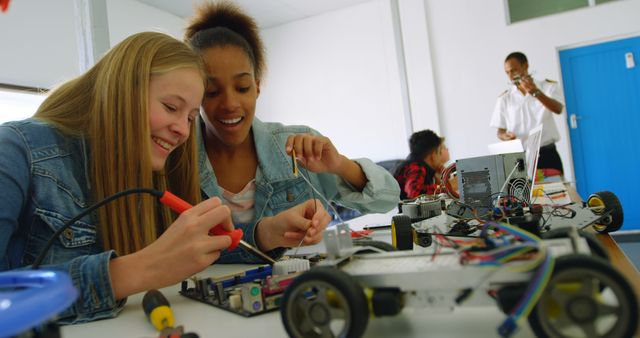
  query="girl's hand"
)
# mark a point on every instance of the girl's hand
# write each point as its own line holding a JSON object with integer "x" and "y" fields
{"x": 316, "y": 153}
{"x": 184, "y": 249}
{"x": 307, "y": 220}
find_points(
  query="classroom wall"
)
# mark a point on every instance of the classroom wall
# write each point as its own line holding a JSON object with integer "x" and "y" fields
{"x": 338, "y": 72}
{"x": 38, "y": 43}
{"x": 127, "y": 17}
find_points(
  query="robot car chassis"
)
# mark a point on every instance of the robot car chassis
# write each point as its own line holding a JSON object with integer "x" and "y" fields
{"x": 562, "y": 283}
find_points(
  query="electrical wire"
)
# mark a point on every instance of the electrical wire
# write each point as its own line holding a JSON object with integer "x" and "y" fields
{"x": 38, "y": 261}
{"x": 504, "y": 185}
{"x": 313, "y": 196}
{"x": 510, "y": 248}
{"x": 543, "y": 264}
{"x": 444, "y": 181}
{"x": 324, "y": 199}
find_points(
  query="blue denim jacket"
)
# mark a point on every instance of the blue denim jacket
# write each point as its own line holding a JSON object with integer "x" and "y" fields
{"x": 277, "y": 189}
{"x": 44, "y": 183}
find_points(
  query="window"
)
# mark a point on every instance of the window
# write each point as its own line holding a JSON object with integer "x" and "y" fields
{"x": 17, "y": 103}
{"x": 519, "y": 10}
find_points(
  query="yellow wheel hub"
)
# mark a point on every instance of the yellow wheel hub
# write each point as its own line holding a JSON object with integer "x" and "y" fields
{"x": 596, "y": 204}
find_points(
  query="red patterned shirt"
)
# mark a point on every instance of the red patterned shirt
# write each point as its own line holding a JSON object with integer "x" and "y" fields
{"x": 415, "y": 179}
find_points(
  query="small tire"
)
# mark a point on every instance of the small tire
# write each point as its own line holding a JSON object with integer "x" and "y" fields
{"x": 602, "y": 202}
{"x": 401, "y": 232}
{"x": 324, "y": 302}
{"x": 585, "y": 297}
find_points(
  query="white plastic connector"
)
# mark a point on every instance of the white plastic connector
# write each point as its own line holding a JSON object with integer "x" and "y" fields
{"x": 292, "y": 265}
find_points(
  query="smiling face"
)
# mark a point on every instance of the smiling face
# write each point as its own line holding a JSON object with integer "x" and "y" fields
{"x": 174, "y": 102}
{"x": 230, "y": 97}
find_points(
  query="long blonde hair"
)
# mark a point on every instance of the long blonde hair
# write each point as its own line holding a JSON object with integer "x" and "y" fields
{"x": 108, "y": 107}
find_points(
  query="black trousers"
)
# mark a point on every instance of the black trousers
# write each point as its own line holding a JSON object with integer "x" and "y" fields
{"x": 548, "y": 158}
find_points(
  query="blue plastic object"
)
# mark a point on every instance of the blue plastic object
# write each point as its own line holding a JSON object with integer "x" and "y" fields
{"x": 30, "y": 297}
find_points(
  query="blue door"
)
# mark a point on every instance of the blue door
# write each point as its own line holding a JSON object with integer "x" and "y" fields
{"x": 602, "y": 93}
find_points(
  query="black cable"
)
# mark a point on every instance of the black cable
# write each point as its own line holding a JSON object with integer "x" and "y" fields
{"x": 545, "y": 220}
{"x": 43, "y": 253}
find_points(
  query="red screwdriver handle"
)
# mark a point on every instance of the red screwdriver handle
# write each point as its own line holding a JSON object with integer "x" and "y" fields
{"x": 179, "y": 205}
{"x": 174, "y": 202}
{"x": 235, "y": 235}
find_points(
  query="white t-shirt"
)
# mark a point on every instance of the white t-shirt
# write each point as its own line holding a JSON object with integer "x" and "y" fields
{"x": 519, "y": 113}
{"x": 241, "y": 204}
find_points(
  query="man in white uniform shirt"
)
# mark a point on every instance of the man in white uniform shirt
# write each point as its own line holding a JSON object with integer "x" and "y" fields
{"x": 526, "y": 105}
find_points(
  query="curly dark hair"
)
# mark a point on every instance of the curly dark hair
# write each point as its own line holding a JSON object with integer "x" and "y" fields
{"x": 423, "y": 143}
{"x": 222, "y": 23}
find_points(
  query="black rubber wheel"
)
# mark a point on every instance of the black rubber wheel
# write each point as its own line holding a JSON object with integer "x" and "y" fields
{"x": 596, "y": 247}
{"x": 602, "y": 202}
{"x": 585, "y": 297}
{"x": 324, "y": 302}
{"x": 384, "y": 246}
{"x": 401, "y": 232}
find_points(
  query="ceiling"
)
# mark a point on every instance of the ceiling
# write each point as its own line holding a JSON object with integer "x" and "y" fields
{"x": 268, "y": 13}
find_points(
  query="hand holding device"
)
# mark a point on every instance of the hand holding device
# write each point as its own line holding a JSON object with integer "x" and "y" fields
{"x": 179, "y": 205}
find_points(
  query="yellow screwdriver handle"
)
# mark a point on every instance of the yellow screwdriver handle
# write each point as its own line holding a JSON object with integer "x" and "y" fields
{"x": 157, "y": 309}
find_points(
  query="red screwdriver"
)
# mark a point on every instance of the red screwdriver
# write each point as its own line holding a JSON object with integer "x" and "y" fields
{"x": 179, "y": 205}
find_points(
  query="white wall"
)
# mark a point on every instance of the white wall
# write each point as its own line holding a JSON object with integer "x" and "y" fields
{"x": 38, "y": 43}
{"x": 127, "y": 17}
{"x": 416, "y": 51}
{"x": 338, "y": 73}
{"x": 470, "y": 41}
